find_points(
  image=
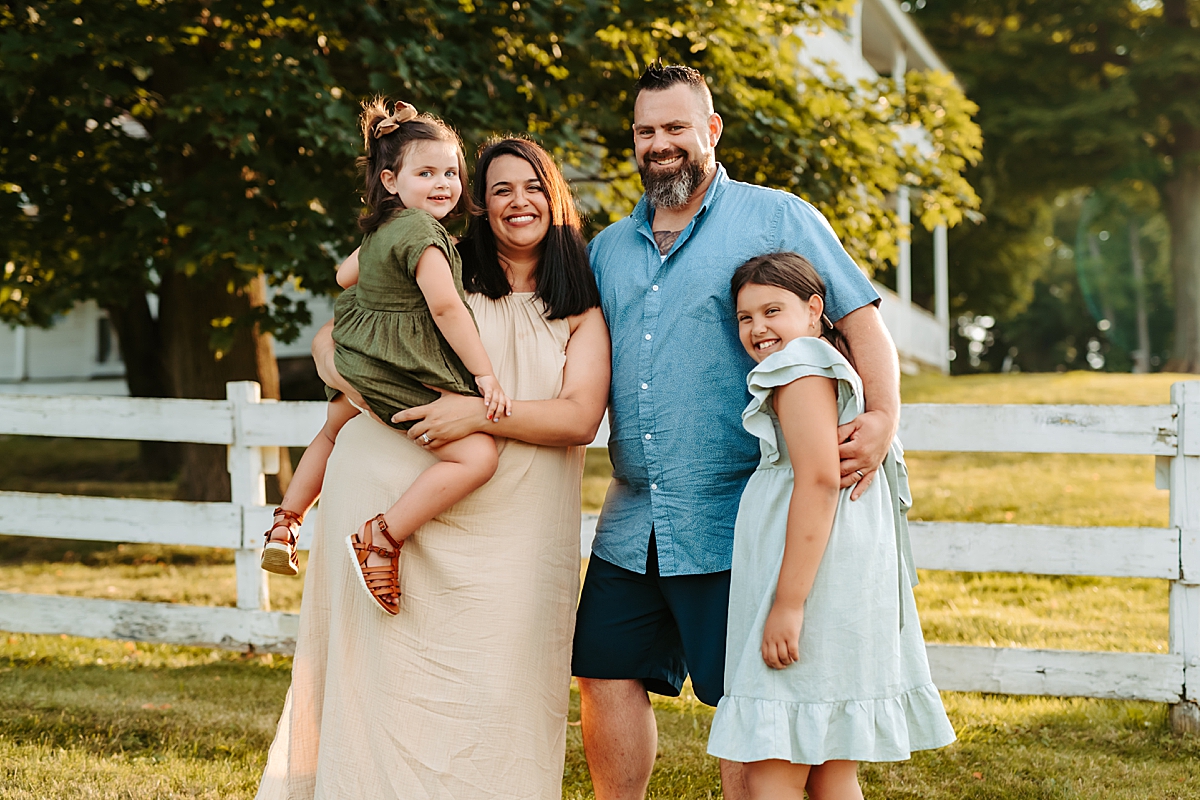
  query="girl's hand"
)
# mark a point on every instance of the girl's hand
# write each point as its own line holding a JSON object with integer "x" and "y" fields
{"x": 781, "y": 636}
{"x": 494, "y": 398}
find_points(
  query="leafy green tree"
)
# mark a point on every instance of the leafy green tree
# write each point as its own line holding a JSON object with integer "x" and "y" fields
{"x": 166, "y": 149}
{"x": 200, "y": 151}
{"x": 1089, "y": 93}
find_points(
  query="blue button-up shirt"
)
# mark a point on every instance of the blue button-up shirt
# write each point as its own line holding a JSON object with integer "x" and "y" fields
{"x": 680, "y": 455}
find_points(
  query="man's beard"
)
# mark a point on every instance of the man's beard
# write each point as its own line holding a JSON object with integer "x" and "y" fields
{"x": 672, "y": 189}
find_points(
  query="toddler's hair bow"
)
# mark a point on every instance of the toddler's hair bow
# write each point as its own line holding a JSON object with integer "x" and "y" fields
{"x": 403, "y": 113}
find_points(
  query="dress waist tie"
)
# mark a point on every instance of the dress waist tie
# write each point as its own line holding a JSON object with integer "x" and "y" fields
{"x": 896, "y": 472}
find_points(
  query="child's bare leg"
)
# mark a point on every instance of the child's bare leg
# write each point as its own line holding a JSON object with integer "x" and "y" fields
{"x": 310, "y": 472}
{"x": 464, "y": 466}
{"x": 775, "y": 778}
{"x": 834, "y": 780}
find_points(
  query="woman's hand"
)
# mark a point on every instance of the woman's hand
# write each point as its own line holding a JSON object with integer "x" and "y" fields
{"x": 781, "y": 635}
{"x": 447, "y": 419}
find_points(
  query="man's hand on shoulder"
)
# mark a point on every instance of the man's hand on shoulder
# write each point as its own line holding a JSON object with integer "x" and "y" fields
{"x": 865, "y": 442}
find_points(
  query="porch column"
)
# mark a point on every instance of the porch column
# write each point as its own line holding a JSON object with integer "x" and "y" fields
{"x": 21, "y": 353}
{"x": 904, "y": 265}
{"x": 941, "y": 289}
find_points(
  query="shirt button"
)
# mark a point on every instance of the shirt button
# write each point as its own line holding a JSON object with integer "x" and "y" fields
{"x": 648, "y": 436}
{"x": 645, "y": 386}
{"x": 654, "y": 287}
{"x": 648, "y": 337}
{"x": 654, "y": 486}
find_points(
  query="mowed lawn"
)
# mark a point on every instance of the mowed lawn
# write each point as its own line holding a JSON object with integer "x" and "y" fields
{"x": 102, "y": 719}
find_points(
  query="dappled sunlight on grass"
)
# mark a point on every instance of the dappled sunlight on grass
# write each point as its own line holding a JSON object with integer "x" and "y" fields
{"x": 1101, "y": 388}
{"x": 115, "y": 720}
{"x": 1036, "y": 489}
{"x": 1063, "y": 613}
{"x": 105, "y": 719}
{"x": 93, "y": 718}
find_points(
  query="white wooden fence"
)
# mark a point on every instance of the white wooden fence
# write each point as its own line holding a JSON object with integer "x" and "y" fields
{"x": 255, "y": 429}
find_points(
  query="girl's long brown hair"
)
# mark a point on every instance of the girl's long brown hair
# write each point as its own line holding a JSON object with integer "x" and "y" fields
{"x": 791, "y": 272}
{"x": 387, "y": 152}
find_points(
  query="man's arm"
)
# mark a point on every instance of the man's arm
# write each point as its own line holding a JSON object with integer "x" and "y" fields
{"x": 866, "y": 439}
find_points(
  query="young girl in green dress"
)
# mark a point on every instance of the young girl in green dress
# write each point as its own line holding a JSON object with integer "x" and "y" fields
{"x": 825, "y": 663}
{"x": 400, "y": 327}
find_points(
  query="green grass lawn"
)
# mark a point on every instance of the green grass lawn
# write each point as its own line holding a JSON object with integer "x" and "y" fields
{"x": 101, "y": 719}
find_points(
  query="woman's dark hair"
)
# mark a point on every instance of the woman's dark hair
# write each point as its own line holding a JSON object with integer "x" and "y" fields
{"x": 387, "y": 151}
{"x": 564, "y": 280}
{"x": 791, "y": 272}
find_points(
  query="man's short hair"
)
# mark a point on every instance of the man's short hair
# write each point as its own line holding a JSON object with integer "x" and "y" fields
{"x": 659, "y": 76}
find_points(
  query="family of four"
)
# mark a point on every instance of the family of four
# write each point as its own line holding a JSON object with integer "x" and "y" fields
{"x": 754, "y": 535}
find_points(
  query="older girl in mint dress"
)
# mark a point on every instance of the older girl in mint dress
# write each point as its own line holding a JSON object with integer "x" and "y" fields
{"x": 825, "y": 662}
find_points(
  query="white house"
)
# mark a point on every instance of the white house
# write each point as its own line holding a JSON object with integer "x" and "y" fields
{"x": 880, "y": 39}
{"x": 79, "y": 354}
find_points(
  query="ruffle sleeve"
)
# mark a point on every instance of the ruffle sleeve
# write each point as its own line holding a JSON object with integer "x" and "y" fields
{"x": 800, "y": 358}
{"x": 410, "y": 233}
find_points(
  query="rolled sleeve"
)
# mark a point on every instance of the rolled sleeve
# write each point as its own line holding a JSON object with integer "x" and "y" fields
{"x": 804, "y": 230}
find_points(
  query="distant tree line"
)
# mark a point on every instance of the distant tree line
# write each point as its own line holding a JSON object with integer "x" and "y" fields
{"x": 1090, "y": 181}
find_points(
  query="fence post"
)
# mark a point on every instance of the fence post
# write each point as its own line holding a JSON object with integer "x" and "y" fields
{"x": 248, "y": 488}
{"x": 1185, "y": 592}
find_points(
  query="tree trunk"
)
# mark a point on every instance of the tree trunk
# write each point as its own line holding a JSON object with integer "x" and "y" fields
{"x": 145, "y": 375}
{"x": 189, "y": 306}
{"x": 1141, "y": 356}
{"x": 1181, "y": 202}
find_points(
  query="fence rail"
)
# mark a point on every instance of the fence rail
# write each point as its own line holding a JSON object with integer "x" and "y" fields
{"x": 254, "y": 430}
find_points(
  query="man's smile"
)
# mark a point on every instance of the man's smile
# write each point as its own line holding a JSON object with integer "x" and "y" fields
{"x": 667, "y": 160}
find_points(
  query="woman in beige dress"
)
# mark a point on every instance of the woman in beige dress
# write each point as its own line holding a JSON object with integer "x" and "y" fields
{"x": 465, "y": 693}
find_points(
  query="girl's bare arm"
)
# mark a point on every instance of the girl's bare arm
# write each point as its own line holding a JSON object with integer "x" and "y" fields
{"x": 347, "y": 273}
{"x": 452, "y": 318}
{"x": 807, "y": 411}
{"x": 570, "y": 419}
{"x": 449, "y": 312}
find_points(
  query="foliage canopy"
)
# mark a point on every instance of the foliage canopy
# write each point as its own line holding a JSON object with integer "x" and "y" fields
{"x": 217, "y": 138}
{"x": 1102, "y": 94}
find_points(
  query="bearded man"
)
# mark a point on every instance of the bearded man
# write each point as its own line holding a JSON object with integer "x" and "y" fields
{"x": 654, "y": 603}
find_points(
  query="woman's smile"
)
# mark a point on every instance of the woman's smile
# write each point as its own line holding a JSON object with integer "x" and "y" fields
{"x": 516, "y": 206}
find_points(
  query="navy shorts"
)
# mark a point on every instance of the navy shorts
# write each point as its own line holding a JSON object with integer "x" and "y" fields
{"x": 652, "y": 628}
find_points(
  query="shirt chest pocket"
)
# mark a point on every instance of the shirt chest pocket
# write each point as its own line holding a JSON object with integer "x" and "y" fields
{"x": 706, "y": 295}
{"x": 710, "y": 308}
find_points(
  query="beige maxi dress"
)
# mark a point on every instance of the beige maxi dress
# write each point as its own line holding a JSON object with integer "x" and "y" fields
{"x": 465, "y": 693}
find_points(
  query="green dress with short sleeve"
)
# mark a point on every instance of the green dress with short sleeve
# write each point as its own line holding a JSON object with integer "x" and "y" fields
{"x": 386, "y": 343}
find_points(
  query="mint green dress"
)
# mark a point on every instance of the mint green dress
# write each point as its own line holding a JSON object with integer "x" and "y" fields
{"x": 861, "y": 690}
{"x": 386, "y": 343}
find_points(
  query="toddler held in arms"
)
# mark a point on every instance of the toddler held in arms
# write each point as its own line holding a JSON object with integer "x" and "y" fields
{"x": 400, "y": 327}
{"x": 825, "y": 662}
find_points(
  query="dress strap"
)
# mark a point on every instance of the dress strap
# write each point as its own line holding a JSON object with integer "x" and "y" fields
{"x": 896, "y": 472}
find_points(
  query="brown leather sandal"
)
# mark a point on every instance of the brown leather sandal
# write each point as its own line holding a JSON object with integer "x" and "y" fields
{"x": 280, "y": 557}
{"x": 382, "y": 582}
